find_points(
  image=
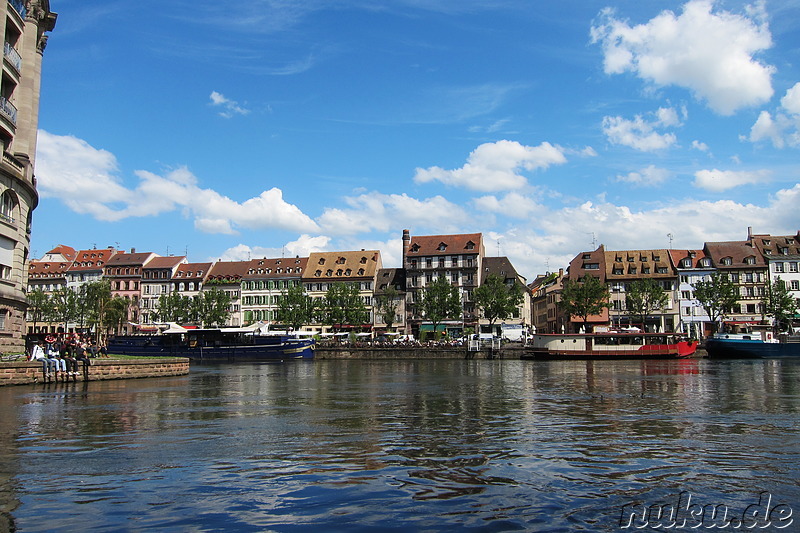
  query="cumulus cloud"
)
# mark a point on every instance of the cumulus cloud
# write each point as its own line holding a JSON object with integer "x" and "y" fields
{"x": 302, "y": 246}
{"x": 783, "y": 128}
{"x": 374, "y": 211}
{"x": 496, "y": 166}
{"x": 85, "y": 179}
{"x": 722, "y": 180}
{"x": 648, "y": 176}
{"x": 709, "y": 51}
{"x": 640, "y": 133}
{"x": 229, "y": 107}
{"x": 512, "y": 205}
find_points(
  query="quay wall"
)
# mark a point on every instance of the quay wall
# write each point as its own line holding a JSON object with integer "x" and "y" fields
{"x": 26, "y": 372}
{"x": 410, "y": 352}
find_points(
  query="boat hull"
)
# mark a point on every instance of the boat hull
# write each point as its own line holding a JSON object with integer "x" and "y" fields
{"x": 609, "y": 346}
{"x": 750, "y": 349}
{"x": 266, "y": 349}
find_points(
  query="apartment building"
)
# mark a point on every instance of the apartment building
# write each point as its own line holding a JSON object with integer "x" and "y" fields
{"x": 24, "y": 26}
{"x": 396, "y": 279}
{"x": 691, "y": 266}
{"x": 354, "y": 267}
{"x": 521, "y": 319}
{"x": 157, "y": 277}
{"x": 457, "y": 258}
{"x": 263, "y": 284}
{"x": 124, "y": 272}
{"x": 745, "y": 266}
{"x": 227, "y": 276}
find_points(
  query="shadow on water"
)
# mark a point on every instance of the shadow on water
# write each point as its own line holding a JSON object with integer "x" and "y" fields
{"x": 399, "y": 445}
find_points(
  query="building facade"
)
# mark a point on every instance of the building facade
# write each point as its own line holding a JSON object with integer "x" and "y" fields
{"x": 24, "y": 25}
{"x": 263, "y": 284}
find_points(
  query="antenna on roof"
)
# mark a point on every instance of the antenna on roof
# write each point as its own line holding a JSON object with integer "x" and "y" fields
{"x": 669, "y": 236}
{"x": 594, "y": 242}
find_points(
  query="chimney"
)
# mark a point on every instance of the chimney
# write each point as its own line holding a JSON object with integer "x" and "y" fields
{"x": 406, "y": 244}
{"x": 133, "y": 250}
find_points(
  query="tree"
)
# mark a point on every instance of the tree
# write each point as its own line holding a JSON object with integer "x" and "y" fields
{"x": 440, "y": 302}
{"x": 98, "y": 296}
{"x": 584, "y": 297}
{"x": 496, "y": 299}
{"x": 644, "y": 296}
{"x": 211, "y": 307}
{"x": 779, "y": 304}
{"x": 387, "y": 304}
{"x": 115, "y": 313}
{"x": 39, "y": 306}
{"x": 174, "y": 307}
{"x": 64, "y": 306}
{"x": 343, "y": 305}
{"x": 718, "y": 296}
{"x": 296, "y": 308}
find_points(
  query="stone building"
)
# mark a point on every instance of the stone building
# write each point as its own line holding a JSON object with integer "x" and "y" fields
{"x": 24, "y": 24}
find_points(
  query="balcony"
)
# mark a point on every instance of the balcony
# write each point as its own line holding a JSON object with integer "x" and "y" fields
{"x": 13, "y": 57}
{"x": 8, "y": 110}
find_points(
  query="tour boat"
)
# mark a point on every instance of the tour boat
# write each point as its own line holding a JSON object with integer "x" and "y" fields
{"x": 609, "y": 344}
{"x": 755, "y": 345}
{"x": 215, "y": 345}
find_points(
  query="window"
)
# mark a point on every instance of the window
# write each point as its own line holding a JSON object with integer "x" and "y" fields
{"x": 7, "y": 206}
{"x": 795, "y": 285}
{"x": 686, "y": 295}
{"x": 706, "y": 262}
{"x": 470, "y": 245}
{"x": 793, "y": 267}
{"x": 686, "y": 263}
{"x": 591, "y": 266}
{"x": 778, "y": 267}
{"x": 662, "y": 270}
{"x": 751, "y": 260}
{"x": 726, "y": 261}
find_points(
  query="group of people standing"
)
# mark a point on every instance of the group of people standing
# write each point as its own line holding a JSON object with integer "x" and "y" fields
{"x": 60, "y": 356}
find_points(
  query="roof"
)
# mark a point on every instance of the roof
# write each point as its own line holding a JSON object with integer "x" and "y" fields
{"x": 95, "y": 259}
{"x": 165, "y": 262}
{"x": 696, "y": 256}
{"x": 228, "y": 270}
{"x": 192, "y": 271}
{"x": 341, "y": 266}
{"x": 47, "y": 269}
{"x": 622, "y": 264}
{"x": 502, "y": 267}
{"x": 62, "y": 250}
{"x": 776, "y": 245}
{"x": 736, "y": 251}
{"x": 390, "y": 277}
{"x": 281, "y": 268}
{"x": 446, "y": 244}
{"x": 129, "y": 259}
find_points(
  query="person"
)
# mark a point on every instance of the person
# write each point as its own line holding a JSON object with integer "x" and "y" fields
{"x": 37, "y": 354}
{"x": 58, "y": 364}
{"x": 82, "y": 355}
{"x": 67, "y": 355}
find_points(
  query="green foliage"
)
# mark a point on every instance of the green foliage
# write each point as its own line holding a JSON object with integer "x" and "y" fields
{"x": 174, "y": 307}
{"x": 779, "y": 304}
{"x": 583, "y": 298}
{"x": 387, "y": 304}
{"x": 496, "y": 299}
{"x": 718, "y": 296}
{"x": 440, "y": 301}
{"x": 211, "y": 308}
{"x": 643, "y": 296}
{"x": 343, "y": 305}
{"x": 116, "y": 312}
{"x": 296, "y": 308}
{"x": 64, "y": 306}
{"x": 39, "y": 306}
{"x": 96, "y": 298}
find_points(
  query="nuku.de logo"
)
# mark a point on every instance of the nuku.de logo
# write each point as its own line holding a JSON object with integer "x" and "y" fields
{"x": 686, "y": 514}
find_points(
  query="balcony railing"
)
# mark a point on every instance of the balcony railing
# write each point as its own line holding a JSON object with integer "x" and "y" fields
{"x": 8, "y": 110}
{"x": 13, "y": 56}
{"x": 19, "y": 5}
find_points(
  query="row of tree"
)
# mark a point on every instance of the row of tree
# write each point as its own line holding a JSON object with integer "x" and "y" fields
{"x": 94, "y": 307}
{"x": 718, "y": 296}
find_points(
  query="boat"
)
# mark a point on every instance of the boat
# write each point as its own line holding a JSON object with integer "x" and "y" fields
{"x": 215, "y": 345}
{"x": 612, "y": 344}
{"x": 752, "y": 345}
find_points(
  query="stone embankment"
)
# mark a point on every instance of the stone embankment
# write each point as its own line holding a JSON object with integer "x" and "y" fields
{"x": 27, "y": 372}
{"x": 412, "y": 352}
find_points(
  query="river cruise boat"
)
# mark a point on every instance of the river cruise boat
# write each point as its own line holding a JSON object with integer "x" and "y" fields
{"x": 226, "y": 345}
{"x": 754, "y": 345}
{"x": 610, "y": 344}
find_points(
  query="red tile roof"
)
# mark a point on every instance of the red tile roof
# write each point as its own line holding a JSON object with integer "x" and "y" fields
{"x": 284, "y": 267}
{"x": 446, "y": 244}
{"x": 94, "y": 259}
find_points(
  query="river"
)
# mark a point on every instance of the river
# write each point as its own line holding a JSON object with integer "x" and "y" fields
{"x": 412, "y": 445}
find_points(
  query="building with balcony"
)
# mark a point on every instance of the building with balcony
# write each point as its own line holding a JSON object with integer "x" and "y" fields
{"x": 691, "y": 267}
{"x": 227, "y": 276}
{"x": 156, "y": 282}
{"x": 24, "y": 25}
{"x": 124, "y": 271}
{"x": 457, "y": 258}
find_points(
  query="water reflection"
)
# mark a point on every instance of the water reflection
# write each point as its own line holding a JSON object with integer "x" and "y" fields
{"x": 405, "y": 445}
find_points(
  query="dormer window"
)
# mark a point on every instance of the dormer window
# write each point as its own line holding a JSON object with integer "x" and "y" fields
{"x": 318, "y": 273}
{"x": 751, "y": 260}
{"x": 726, "y": 261}
{"x": 415, "y": 247}
{"x": 321, "y": 260}
{"x": 470, "y": 245}
{"x": 442, "y": 247}
{"x": 686, "y": 263}
{"x": 340, "y": 261}
{"x": 348, "y": 272}
{"x": 329, "y": 272}
{"x": 339, "y": 272}
{"x": 360, "y": 271}
{"x": 363, "y": 261}
{"x": 706, "y": 262}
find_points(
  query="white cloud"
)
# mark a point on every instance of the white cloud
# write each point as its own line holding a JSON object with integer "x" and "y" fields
{"x": 784, "y": 127}
{"x": 697, "y": 145}
{"x": 496, "y": 166}
{"x": 791, "y": 100}
{"x": 722, "y": 180}
{"x": 711, "y": 53}
{"x": 303, "y": 246}
{"x": 639, "y": 133}
{"x": 649, "y": 176}
{"x": 83, "y": 177}
{"x": 512, "y": 205}
{"x": 229, "y": 107}
{"x": 384, "y": 212}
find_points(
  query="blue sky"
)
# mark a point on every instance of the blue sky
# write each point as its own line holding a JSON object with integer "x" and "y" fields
{"x": 281, "y": 127}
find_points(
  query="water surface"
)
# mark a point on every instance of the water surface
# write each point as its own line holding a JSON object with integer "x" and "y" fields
{"x": 399, "y": 445}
